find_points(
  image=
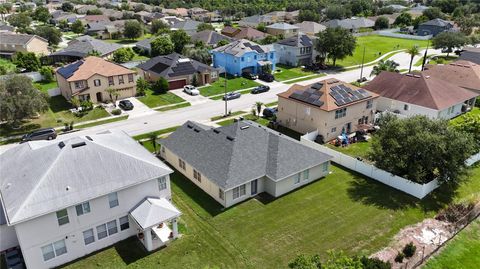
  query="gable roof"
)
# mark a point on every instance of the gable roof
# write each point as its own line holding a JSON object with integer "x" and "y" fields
{"x": 235, "y": 154}
{"x": 282, "y": 26}
{"x": 310, "y": 27}
{"x": 461, "y": 73}
{"x": 186, "y": 25}
{"x": 256, "y": 19}
{"x": 41, "y": 177}
{"x": 11, "y": 38}
{"x": 153, "y": 211}
{"x": 230, "y": 30}
{"x": 210, "y": 37}
{"x": 249, "y": 33}
{"x": 437, "y": 22}
{"x": 419, "y": 89}
{"x": 352, "y": 23}
{"x": 96, "y": 18}
{"x": 470, "y": 54}
{"x": 299, "y": 40}
{"x": 84, "y": 69}
{"x": 86, "y": 44}
{"x": 173, "y": 65}
{"x": 239, "y": 47}
{"x": 324, "y": 94}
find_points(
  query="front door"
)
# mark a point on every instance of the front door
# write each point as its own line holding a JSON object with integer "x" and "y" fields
{"x": 253, "y": 187}
{"x": 99, "y": 97}
{"x": 349, "y": 127}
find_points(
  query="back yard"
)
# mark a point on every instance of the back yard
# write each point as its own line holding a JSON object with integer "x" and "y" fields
{"x": 287, "y": 72}
{"x": 233, "y": 84}
{"x": 342, "y": 211}
{"x": 376, "y": 46}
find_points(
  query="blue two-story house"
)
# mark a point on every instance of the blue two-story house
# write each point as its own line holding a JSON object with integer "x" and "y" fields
{"x": 244, "y": 56}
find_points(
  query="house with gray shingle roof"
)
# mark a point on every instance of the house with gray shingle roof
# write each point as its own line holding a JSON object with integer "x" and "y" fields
{"x": 10, "y": 43}
{"x": 434, "y": 27}
{"x": 295, "y": 51}
{"x": 189, "y": 26}
{"x": 66, "y": 198}
{"x": 310, "y": 27}
{"x": 282, "y": 28}
{"x": 81, "y": 47}
{"x": 353, "y": 24}
{"x": 239, "y": 161}
{"x": 210, "y": 38}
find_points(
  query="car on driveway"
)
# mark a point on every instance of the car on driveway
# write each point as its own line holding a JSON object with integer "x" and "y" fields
{"x": 260, "y": 89}
{"x": 125, "y": 105}
{"x": 190, "y": 89}
{"x": 249, "y": 75}
{"x": 266, "y": 77}
{"x": 231, "y": 96}
{"x": 269, "y": 112}
{"x": 40, "y": 134}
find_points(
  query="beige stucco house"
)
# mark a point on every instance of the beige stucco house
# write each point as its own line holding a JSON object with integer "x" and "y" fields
{"x": 89, "y": 78}
{"x": 282, "y": 28}
{"x": 11, "y": 43}
{"x": 330, "y": 106}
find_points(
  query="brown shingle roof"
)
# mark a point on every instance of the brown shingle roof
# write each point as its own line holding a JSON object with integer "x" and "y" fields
{"x": 326, "y": 99}
{"x": 461, "y": 73}
{"x": 250, "y": 33}
{"x": 230, "y": 30}
{"x": 419, "y": 89}
{"x": 94, "y": 65}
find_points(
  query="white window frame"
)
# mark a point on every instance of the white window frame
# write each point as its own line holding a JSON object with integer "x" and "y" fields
{"x": 124, "y": 223}
{"x": 162, "y": 183}
{"x": 82, "y": 208}
{"x": 369, "y": 104}
{"x": 306, "y": 174}
{"x": 340, "y": 113}
{"x": 297, "y": 178}
{"x": 120, "y": 79}
{"x": 239, "y": 191}
{"x": 61, "y": 218}
{"x": 88, "y": 236}
{"x": 112, "y": 227}
{"x": 325, "y": 167}
{"x": 130, "y": 78}
{"x": 102, "y": 232}
{"x": 111, "y": 81}
{"x": 54, "y": 249}
{"x": 197, "y": 175}
{"x": 221, "y": 194}
{"x": 113, "y": 202}
{"x": 97, "y": 82}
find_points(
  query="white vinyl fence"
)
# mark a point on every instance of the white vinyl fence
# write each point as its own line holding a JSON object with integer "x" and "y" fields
{"x": 473, "y": 159}
{"x": 399, "y": 183}
{"x": 54, "y": 92}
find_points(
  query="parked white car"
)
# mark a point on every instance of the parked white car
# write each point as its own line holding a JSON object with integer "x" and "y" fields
{"x": 192, "y": 90}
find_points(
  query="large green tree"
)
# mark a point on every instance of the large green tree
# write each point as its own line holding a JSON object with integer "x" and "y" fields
{"x": 381, "y": 23}
{"x": 162, "y": 45}
{"x": 384, "y": 65}
{"x": 308, "y": 15}
{"x": 53, "y": 35}
{"x": 158, "y": 25}
{"x": 421, "y": 149}
{"x": 160, "y": 86}
{"x": 433, "y": 13}
{"x": 179, "y": 38}
{"x": 200, "y": 54}
{"x": 469, "y": 123}
{"x": 77, "y": 27}
{"x": 335, "y": 43}
{"x": 403, "y": 19}
{"x": 449, "y": 40}
{"x": 42, "y": 14}
{"x": 20, "y": 20}
{"x": 305, "y": 262}
{"x": 133, "y": 29}
{"x": 123, "y": 55}
{"x": 67, "y": 7}
{"x": 19, "y": 99}
{"x": 205, "y": 26}
{"x": 27, "y": 60}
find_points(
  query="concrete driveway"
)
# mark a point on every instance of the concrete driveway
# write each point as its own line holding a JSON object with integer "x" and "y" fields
{"x": 192, "y": 99}
{"x": 139, "y": 109}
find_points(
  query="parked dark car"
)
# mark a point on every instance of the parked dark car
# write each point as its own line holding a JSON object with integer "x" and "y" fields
{"x": 266, "y": 77}
{"x": 260, "y": 89}
{"x": 231, "y": 96}
{"x": 249, "y": 75}
{"x": 125, "y": 105}
{"x": 41, "y": 134}
{"x": 269, "y": 112}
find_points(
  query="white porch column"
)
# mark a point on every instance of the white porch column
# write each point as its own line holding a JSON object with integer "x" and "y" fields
{"x": 148, "y": 239}
{"x": 175, "y": 228}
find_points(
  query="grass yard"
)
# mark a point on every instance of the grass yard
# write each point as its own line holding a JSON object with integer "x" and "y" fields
{"x": 376, "y": 46}
{"x": 124, "y": 41}
{"x": 463, "y": 252}
{"x": 8, "y": 66}
{"x": 304, "y": 78}
{"x": 152, "y": 99}
{"x": 359, "y": 149}
{"x": 162, "y": 109}
{"x": 437, "y": 60}
{"x": 87, "y": 125}
{"x": 342, "y": 211}
{"x": 233, "y": 84}
{"x": 45, "y": 86}
{"x": 232, "y": 114}
{"x": 259, "y": 120}
{"x": 283, "y": 72}
{"x": 157, "y": 133}
{"x": 475, "y": 111}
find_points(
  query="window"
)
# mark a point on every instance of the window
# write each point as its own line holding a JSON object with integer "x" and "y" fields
{"x": 221, "y": 194}
{"x": 405, "y": 107}
{"x": 124, "y": 224}
{"x": 112, "y": 227}
{"x": 110, "y": 81}
{"x": 334, "y": 129}
{"x": 88, "y": 237}
{"x": 83, "y": 208}
{"x": 306, "y": 174}
{"x": 181, "y": 163}
{"x": 130, "y": 78}
{"x": 296, "y": 179}
{"x": 197, "y": 175}
{"x": 62, "y": 217}
{"x": 214, "y": 74}
{"x": 451, "y": 109}
{"x": 325, "y": 167}
{"x": 101, "y": 231}
{"x": 369, "y": 104}
{"x": 243, "y": 59}
{"x": 78, "y": 84}
{"x": 120, "y": 79}
{"x": 97, "y": 83}
{"x": 56, "y": 249}
{"x": 84, "y": 97}
{"x": 239, "y": 191}
{"x": 255, "y": 57}
{"x": 162, "y": 183}
{"x": 340, "y": 113}
{"x": 113, "y": 199}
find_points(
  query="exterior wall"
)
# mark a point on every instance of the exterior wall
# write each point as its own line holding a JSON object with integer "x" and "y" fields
{"x": 288, "y": 184}
{"x": 285, "y": 33}
{"x": 291, "y": 56}
{"x": 304, "y": 118}
{"x": 431, "y": 30}
{"x": 8, "y": 237}
{"x": 64, "y": 86}
{"x": 235, "y": 65}
{"x": 152, "y": 77}
{"x": 36, "y": 46}
{"x": 44, "y": 230}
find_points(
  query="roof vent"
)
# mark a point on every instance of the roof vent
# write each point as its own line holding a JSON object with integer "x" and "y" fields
{"x": 244, "y": 127}
{"x": 196, "y": 130}
{"x": 230, "y": 138}
{"x": 67, "y": 188}
{"x": 427, "y": 76}
{"x": 216, "y": 131}
{"x": 89, "y": 138}
{"x": 61, "y": 144}
{"x": 80, "y": 144}
{"x": 190, "y": 126}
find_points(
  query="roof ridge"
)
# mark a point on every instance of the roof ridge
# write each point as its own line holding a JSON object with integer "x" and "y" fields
{"x": 429, "y": 91}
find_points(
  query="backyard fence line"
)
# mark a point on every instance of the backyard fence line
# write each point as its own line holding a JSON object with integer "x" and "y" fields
{"x": 407, "y": 186}
{"x": 392, "y": 33}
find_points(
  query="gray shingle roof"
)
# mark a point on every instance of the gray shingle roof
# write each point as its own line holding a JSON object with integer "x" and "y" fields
{"x": 17, "y": 39}
{"x": 235, "y": 154}
{"x": 471, "y": 54}
{"x": 173, "y": 65}
{"x": 310, "y": 27}
{"x": 37, "y": 178}
{"x": 186, "y": 25}
{"x": 353, "y": 23}
{"x": 153, "y": 211}
{"x": 299, "y": 40}
{"x": 240, "y": 47}
{"x": 210, "y": 37}
{"x": 282, "y": 26}
{"x": 437, "y": 22}
{"x": 86, "y": 44}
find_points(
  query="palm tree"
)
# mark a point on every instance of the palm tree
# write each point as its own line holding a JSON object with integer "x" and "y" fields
{"x": 258, "y": 105}
{"x": 384, "y": 65}
{"x": 153, "y": 139}
{"x": 114, "y": 94}
{"x": 413, "y": 51}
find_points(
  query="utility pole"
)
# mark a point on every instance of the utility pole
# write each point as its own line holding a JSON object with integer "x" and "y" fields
{"x": 363, "y": 59}
{"x": 425, "y": 56}
{"x": 225, "y": 72}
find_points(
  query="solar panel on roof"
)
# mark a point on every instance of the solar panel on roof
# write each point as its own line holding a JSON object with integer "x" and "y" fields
{"x": 340, "y": 102}
{"x": 307, "y": 96}
{"x": 317, "y": 86}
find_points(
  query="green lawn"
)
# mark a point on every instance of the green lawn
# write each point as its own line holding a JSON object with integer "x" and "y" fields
{"x": 128, "y": 41}
{"x": 343, "y": 211}
{"x": 87, "y": 125}
{"x": 138, "y": 57}
{"x": 57, "y": 114}
{"x": 152, "y": 99}
{"x": 376, "y": 46}
{"x": 157, "y": 133}
{"x": 283, "y": 72}
{"x": 162, "y": 109}
{"x": 437, "y": 60}
{"x": 233, "y": 84}
{"x": 45, "y": 86}
{"x": 305, "y": 78}
{"x": 475, "y": 111}
{"x": 8, "y": 66}
{"x": 463, "y": 252}
{"x": 359, "y": 149}
{"x": 259, "y": 120}
{"x": 232, "y": 114}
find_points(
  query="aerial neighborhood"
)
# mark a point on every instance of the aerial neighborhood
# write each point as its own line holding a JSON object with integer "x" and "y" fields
{"x": 232, "y": 134}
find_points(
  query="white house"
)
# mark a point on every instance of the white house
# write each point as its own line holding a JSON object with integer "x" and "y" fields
{"x": 239, "y": 161}
{"x": 420, "y": 94}
{"x": 64, "y": 199}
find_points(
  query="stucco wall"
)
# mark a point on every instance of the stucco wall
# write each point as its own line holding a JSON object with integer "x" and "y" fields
{"x": 8, "y": 237}
{"x": 288, "y": 184}
{"x": 38, "y": 232}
